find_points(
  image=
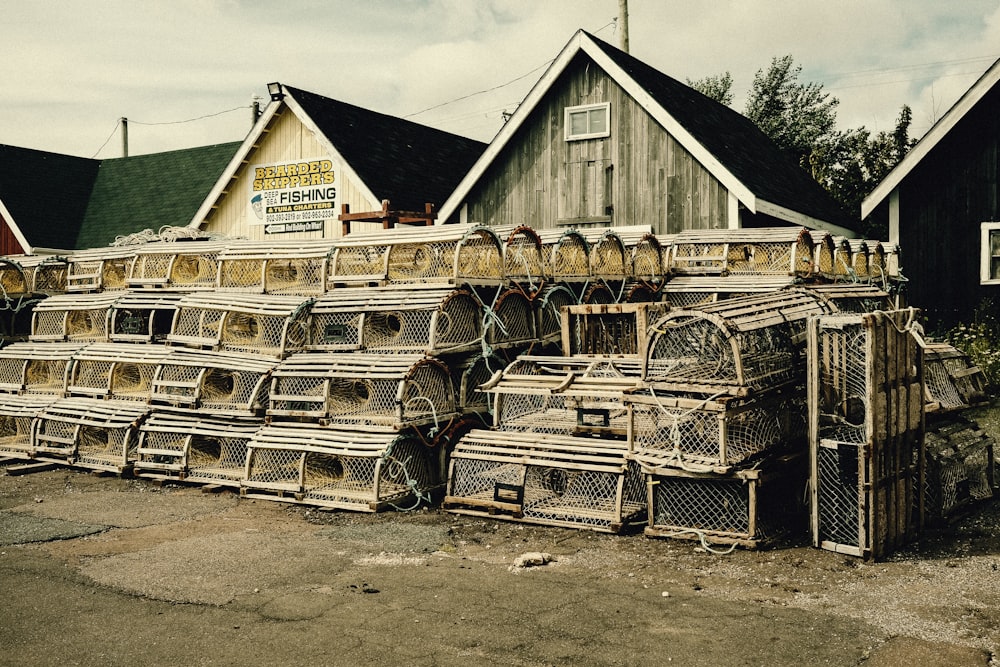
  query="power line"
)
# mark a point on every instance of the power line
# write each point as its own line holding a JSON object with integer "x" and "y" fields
{"x": 108, "y": 139}
{"x": 190, "y": 120}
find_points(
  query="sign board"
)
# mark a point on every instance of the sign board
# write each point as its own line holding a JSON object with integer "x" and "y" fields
{"x": 294, "y": 196}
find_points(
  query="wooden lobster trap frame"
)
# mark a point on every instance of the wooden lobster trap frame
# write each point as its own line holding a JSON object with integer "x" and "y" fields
{"x": 545, "y": 478}
{"x": 276, "y": 267}
{"x": 951, "y": 380}
{"x": 391, "y": 390}
{"x": 550, "y": 303}
{"x": 565, "y": 253}
{"x": 36, "y": 368}
{"x": 143, "y": 316}
{"x": 751, "y": 507}
{"x": 81, "y": 318}
{"x": 960, "y": 468}
{"x": 510, "y": 319}
{"x": 468, "y": 373}
{"x": 735, "y": 346}
{"x": 843, "y": 259}
{"x": 33, "y": 274}
{"x": 365, "y": 470}
{"x": 268, "y": 325}
{"x": 524, "y": 257}
{"x": 119, "y": 371}
{"x": 218, "y": 382}
{"x": 824, "y": 251}
{"x": 196, "y": 448}
{"x": 17, "y": 417}
{"x": 448, "y": 254}
{"x": 176, "y": 265}
{"x": 563, "y": 395}
{"x": 430, "y": 321}
{"x": 714, "y": 434}
{"x": 866, "y": 432}
{"x": 850, "y": 297}
{"x": 763, "y": 251}
{"x": 99, "y": 269}
{"x": 685, "y": 291}
{"x": 647, "y": 253}
{"x": 89, "y": 433}
{"x": 613, "y": 330}
{"x": 14, "y": 279}
{"x": 860, "y": 257}
{"x": 610, "y": 259}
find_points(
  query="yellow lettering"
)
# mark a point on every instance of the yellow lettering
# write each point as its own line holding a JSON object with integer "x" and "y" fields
{"x": 259, "y": 173}
{"x": 325, "y": 165}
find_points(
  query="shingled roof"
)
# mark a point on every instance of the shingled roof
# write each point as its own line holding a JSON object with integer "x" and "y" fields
{"x": 729, "y": 145}
{"x": 405, "y": 162}
{"x": 63, "y": 202}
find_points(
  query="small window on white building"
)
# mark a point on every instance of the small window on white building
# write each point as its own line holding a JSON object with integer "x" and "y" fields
{"x": 591, "y": 121}
{"x": 989, "y": 266}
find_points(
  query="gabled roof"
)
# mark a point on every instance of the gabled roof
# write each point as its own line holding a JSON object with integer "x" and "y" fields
{"x": 389, "y": 158}
{"x": 938, "y": 131}
{"x": 60, "y": 202}
{"x": 726, "y": 143}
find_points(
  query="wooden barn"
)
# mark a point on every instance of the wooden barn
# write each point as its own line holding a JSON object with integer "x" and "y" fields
{"x": 604, "y": 139}
{"x": 52, "y": 203}
{"x": 310, "y": 159}
{"x": 941, "y": 205}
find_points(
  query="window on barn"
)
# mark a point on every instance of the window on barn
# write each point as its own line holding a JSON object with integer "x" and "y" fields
{"x": 592, "y": 121}
{"x": 989, "y": 268}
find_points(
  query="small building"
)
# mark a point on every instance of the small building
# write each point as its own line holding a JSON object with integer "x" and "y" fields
{"x": 941, "y": 205}
{"x": 310, "y": 160}
{"x": 52, "y": 203}
{"x": 604, "y": 139}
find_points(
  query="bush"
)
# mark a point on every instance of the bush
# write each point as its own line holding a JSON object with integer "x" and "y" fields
{"x": 980, "y": 340}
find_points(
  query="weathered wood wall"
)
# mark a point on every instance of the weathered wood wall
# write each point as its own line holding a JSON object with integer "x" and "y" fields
{"x": 637, "y": 175}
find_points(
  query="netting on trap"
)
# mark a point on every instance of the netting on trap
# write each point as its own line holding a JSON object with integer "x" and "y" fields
{"x": 395, "y": 391}
{"x": 467, "y": 255}
{"x": 700, "y": 435}
{"x": 549, "y": 304}
{"x": 750, "y": 508}
{"x": 83, "y": 318}
{"x": 866, "y": 398}
{"x": 17, "y": 417}
{"x": 99, "y": 269}
{"x": 960, "y": 468}
{"x": 36, "y": 368}
{"x": 14, "y": 280}
{"x": 648, "y": 258}
{"x": 843, "y": 260}
{"x": 824, "y": 254}
{"x": 752, "y": 342}
{"x": 877, "y": 262}
{"x": 952, "y": 381}
{"x": 523, "y": 256}
{"x": 89, "y": 433}
{"x": 206, "y": 449}
{"x": 860, "y": 269}
{"x": 185, "y": 265}
{"x": 216, "y": 382}
{"x": 510, "y": 320}
{"x": 545, "y": 479}
{"x": 45, "y": 274}
{"x": 288, "y": 267}
{"x": 143, "y": 316}
{"x": 268, "y": 325}
{"x": 609, "y": 258}
{"x": 120, "y": 371}
{"x": 566, "y": 254}
{"x": 366, "y": 471}
{"x": 763, "y": 251}
{"x": 609, "y": 329}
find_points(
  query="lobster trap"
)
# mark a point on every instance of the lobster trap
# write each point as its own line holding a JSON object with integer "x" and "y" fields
{"x": 276, "y": 267}
{"x": 33, "y": 274}
{"x": 120, "y": 371}
{"x": 860, "y": 258}
{"x": 510, "y": 320}
{"x": 448, "y": 254}
{"x": 843, "y": 259}
{"x": 217, "y": 382}
{"x": 563, "y": 395}
{"x": 960, "y": 468}
{"x": 367, "y": 470}
{"x": 176, "y": 265}
{"x": 648, "y": 256}
{"x": 99, "y": 269}
{"x": 36, "y": 368}
{"x": 765, "y": 251}
{"x": 468, "y": 373}
{"x": 89, "y": 433}
{"x": 524, "y": 257}
{"x": 685, "y": 291}
{"x": 609, "y": 257}
{"x": 612, "y": 330}
{"x": 850, "y": 297}
{"x": 395, "y": 391}
{"x": 565, "y": 255}
{"x": 545, "y": 479}
{"x": 397, "y": 319}
{"x": 14, "y": 280}
{"x": 83, "y": 318}
{"x": 196, "y": 448}
{"x": 951, "y": 380}
{"x": 713, "y": 434}
{"x": 866, "y": 400}
{"x": 268, "y": 325}
{"x": 549, "y": 304}
{"x": 17, "y": 417}
{"x": 734, "y": 346}
{"x": 750, "y": 507}
{"x": 824, "y": 250}
{"x": 143, "y": 316}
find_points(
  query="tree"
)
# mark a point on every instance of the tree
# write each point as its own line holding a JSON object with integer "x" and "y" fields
{"x": 719, "y": 88}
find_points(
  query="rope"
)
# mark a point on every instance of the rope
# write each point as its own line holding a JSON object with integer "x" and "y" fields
{"x": 676, "y": 454}
{"x": 409, "y": 481}
{"x": 702, "y": 538}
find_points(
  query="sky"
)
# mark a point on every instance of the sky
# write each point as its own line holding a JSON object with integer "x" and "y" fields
{"x": 185, "y": 72}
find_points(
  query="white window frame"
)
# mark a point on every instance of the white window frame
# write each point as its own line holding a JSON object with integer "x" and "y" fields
{"x": 987, "y": 230}
{"x": 606, "y": 106}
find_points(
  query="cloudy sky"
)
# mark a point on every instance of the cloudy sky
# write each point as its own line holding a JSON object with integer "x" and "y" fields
{"x": 185, "y": 72}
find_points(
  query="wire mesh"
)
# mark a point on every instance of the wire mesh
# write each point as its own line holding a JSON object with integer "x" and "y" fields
{"x": 843, "y": 380}
{"x": 200, "y": 270}
{"x": 275, "y": 467}
{"x": 581, "y": 498}
{"x": 242, "y": 274}
{"x": 523, "y": 257}
{"x": 608, "y": 258}
{"x": 214, "y": 458}
{"x": 233, "y": 390}
{"x": 362, "y": 263}
{"x": 15, "y": 434}
{"x": 512, "y": 321}
{"x": 568, "y": 258}
{"x": 200, "y": 325}
{"x": 421, "y": 261}
{"x": 841, "y": 497}
{"x": 45, "y": 376}
{"x": 250, "y": 332}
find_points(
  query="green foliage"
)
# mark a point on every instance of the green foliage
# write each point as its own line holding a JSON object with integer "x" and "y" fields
{"x": 719, "y": 88}
{"x": 980, "y": 340}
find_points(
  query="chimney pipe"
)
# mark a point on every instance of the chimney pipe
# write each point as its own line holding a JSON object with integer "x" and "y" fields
{"x": 254, "y": 110}
{"x": 623, "y": 24}
{"x": 124, "y": 122}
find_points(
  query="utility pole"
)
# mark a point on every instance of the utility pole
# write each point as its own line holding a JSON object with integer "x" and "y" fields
{"x": 124, "y": 122}
{"x": 623, "y": 24}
